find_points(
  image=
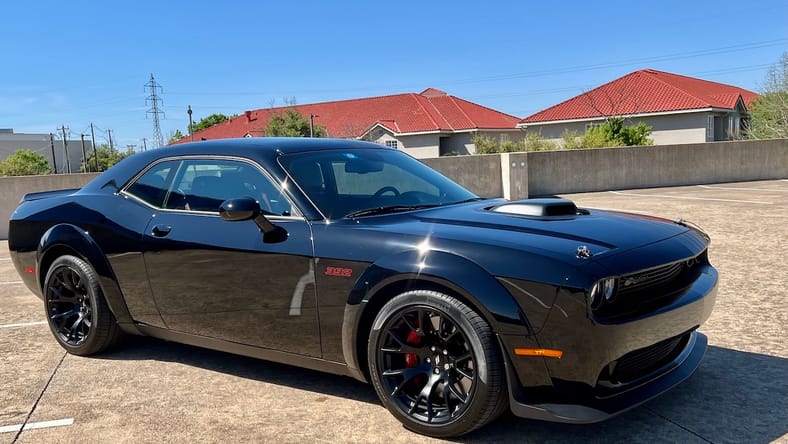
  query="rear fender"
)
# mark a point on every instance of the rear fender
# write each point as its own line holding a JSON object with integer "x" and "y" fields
{"x": 70, "y": 239}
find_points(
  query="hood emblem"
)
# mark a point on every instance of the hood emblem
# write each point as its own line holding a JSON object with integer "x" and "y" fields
{"x": 583, "y": 252}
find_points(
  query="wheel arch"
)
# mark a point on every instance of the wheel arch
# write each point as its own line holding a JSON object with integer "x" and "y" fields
{"x": 65, "y": 239}
{"x": 443, "y": 272}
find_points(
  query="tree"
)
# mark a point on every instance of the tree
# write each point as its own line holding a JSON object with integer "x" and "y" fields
{"x": 612, "y": 132}
{"x": 291, "y": 124}
{"x": 209, "y": 121}
{"x": 531, "y": 142}
{"x": 106, "y": 158}
{"x": 769, "y": 112}
{"x": 176, "y": 135}
{"x": 24, "y": 163}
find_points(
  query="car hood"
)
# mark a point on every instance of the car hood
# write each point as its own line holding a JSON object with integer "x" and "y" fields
{"x": 604, "y": 233}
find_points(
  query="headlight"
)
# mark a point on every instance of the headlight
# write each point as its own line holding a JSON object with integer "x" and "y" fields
{"x": 602, "y": 290}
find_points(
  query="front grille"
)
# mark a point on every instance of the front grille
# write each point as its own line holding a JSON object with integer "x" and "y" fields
{"x": 644, "y": 361}
{"x": 645, "y": 291}
{"x": 640, "y": 362}
{"x": 649, "y": 279}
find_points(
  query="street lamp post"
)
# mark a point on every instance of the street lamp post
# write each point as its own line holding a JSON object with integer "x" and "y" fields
{"x": 191, "y": 126}
{"x": 312, "y": 124}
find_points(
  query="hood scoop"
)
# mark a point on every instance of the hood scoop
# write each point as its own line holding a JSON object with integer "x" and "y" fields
{"x": 540, "y": 208}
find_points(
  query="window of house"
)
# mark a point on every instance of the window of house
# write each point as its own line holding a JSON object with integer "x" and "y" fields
{"x": 732, "y": 130}
{"x": 392, "y": 144}
{"x": 592, "y": 125}
{"x": 709, "y": 127}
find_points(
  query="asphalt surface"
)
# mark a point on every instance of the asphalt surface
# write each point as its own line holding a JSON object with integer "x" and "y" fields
{"x": 154, "y": 391}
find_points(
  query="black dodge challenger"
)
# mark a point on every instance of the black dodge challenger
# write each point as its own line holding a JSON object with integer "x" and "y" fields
{"x": 356, "y": 259}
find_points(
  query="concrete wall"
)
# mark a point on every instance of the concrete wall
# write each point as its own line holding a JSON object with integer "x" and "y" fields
{"x": 577, "y": 171}
{"x": 480, "y": 174}
{"x": 13, "y": 188}
{"x": 520, "y": 175}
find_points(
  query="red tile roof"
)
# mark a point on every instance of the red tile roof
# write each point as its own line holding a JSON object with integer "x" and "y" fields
{"x": 645, "y": 91}
{"x": 432, "y": 110}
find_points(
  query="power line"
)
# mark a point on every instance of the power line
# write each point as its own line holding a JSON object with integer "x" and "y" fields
{"x": 154, "y": 99}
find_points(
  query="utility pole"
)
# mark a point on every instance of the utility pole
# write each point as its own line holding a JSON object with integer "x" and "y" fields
{"x": 84, "y": 154}
{"x": 65, "y": 149}
{"x": 144, "y": 144}
{"x": 111, "y": 147}
{"x": 155, "y": 103}
{"x": 95, "y": 153}
{"x": 52, "y": 145}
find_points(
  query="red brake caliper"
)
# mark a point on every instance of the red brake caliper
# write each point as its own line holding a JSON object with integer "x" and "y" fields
{"x": 411, "y": 359}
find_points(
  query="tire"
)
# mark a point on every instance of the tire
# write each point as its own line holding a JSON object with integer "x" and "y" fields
{"x": 77, "y": 313}
{"x": 444, "y": 380}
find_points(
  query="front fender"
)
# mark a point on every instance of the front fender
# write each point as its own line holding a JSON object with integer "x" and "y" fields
{"x": 463, "y": 277}
{"x": 70, "y": 239}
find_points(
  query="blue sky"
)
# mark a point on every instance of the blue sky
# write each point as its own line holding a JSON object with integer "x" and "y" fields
{"x": 76, "y": 62}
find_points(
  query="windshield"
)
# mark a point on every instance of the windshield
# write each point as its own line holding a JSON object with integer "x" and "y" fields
{"x": 348, "y": 182}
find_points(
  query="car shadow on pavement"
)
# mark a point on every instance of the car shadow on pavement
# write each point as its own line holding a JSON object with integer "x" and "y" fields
{"x": 144, "y": 348}
{"x": 734, "y": 396}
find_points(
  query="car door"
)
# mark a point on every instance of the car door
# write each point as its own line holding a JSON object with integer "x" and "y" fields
{"x": 219, "y": 279}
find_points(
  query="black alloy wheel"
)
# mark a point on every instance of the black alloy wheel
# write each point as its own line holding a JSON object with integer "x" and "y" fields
{"x": 435, "y": 364}
{"x": 76, "y": 311}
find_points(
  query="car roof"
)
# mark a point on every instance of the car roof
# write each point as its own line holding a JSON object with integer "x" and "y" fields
{"x": 263, "y": 149}
{"x": 268, "y": 145}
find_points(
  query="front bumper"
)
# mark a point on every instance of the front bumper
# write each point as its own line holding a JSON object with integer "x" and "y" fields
{"x": 600, "y": 409}
{"x": 662, "y": 347}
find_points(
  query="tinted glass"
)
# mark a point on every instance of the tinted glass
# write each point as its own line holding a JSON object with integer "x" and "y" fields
{"x": 151, "y": 187}
{"x": 202, "y": 185}
{"x": 344, "y": 182}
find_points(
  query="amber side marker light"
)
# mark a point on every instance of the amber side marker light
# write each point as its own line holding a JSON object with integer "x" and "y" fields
{"x": 544, "y": 352}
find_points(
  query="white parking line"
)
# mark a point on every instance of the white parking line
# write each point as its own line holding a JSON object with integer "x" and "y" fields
{"x": 5, "y": 258}
{"x": 742, "y": 189}
{"x": 624, "y": 210}
{"x": 37, "y": 425}
{"x": 23, "y": 324}
{"x": 11, "y": 283}
{"x": 663, "y": 196}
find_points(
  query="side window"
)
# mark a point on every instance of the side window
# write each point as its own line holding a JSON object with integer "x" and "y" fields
{"x": 202, "y": 185}
{"x": 151, "y": 187}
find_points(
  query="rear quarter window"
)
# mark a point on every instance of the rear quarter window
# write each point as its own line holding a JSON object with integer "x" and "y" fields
{"x": 151, "y": 187}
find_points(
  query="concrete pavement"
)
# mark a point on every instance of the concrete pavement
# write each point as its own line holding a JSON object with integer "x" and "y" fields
{"x": 154, "y": 391}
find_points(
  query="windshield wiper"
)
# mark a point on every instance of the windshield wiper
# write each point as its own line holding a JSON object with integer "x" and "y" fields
{"x": 388, "y": 209}
{"x": 472, "y": 199}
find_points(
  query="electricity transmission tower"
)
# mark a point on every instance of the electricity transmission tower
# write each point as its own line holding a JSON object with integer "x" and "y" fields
{"x": 155, "y": 102}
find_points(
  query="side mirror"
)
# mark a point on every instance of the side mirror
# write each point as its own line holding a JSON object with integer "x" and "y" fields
{"x": 240, "y": 209}
{"x": 246, "y": 208}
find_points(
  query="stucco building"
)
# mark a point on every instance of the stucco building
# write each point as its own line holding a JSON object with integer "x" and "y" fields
{"x": 428, "y": 124}
{"x": 678, "y": 108}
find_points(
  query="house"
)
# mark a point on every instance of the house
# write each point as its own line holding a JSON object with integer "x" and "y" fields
{"x": 678, "y": 108}
{"x": 428, "y": 124}
{"x": 46, "y": 146}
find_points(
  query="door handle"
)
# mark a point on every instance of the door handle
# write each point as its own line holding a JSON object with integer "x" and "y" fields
{"x": 161, "y": 230}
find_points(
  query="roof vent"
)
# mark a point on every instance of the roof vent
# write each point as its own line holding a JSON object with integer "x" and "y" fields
{"x": 545, "y": 207}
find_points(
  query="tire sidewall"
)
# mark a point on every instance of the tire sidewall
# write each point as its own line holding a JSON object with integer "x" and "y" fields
{"x": 469, "y": 419}
{"x": 94, "y": 294}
